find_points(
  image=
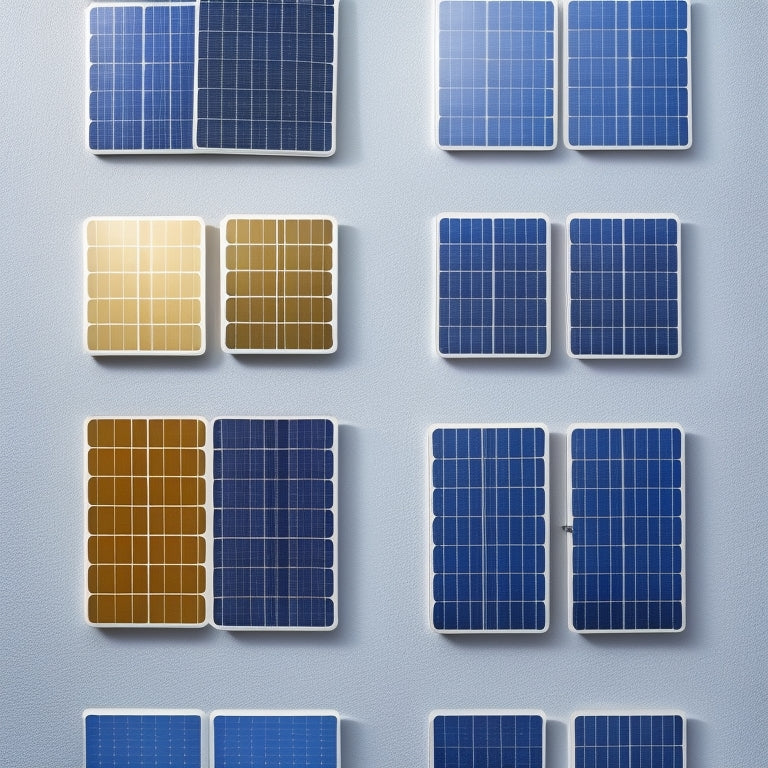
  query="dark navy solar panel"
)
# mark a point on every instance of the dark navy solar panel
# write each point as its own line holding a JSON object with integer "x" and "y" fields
{"x": 628, "y": 74}
{"x": 273, "y": 523}
{"x": 473, "y": 740}
{"x": 147, "y": 740}
{"x": 627, "y": 511}
{"x": 489, "y": 528}
{"x": 624, "y": 295}
{"x": 496, "y": 74}
{"x": 628, "y": 740}
{"x": 250, "y": 740}
{"x": 141, "y": 77}
{"x": 493, "y": 286}
{"x": 266, "y": 75}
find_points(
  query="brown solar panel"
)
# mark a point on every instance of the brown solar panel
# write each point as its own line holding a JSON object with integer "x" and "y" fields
{"x": 145, "y": 527}
{"x": 144, "y": 286}
{"x": 278, "y": 284}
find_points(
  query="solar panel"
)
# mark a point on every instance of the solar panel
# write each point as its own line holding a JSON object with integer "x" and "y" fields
{"x": 263, "y": 739}
{"x": 278, "y": 284}
{"x": 624, "y": 292}
{"x": 142, "y": 738}
{"x": 496, "y": 81}
{"x": 628, "y": 740}
{"x": 145, "y": 521}
{"x": 626, "y": 511}
{"x": 144, "y": 286}
{"x": 141, "y": 77}
{"x": 487, "y": 739}
{"x": 266, "y": 76}
{"x": 489, "y": 528}
{"x": 493, "y": 285}
{"x": 628, "y": 74}
{"x": 274, "y": 527}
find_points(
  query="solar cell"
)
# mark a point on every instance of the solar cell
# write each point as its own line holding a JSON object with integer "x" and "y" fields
{"x": 628, "y": 740}
{"x": 266, "y": 76}
{"x": 263, "y": 739}
{"x": 628, "y": 74}
{"x": 278, "y": 284}
{"x": 142, "y": 738}
{"x": 626, "y": 513}
{"x": 145, "y": 521}
{"x": 274, "y": 523}
{"x": 624, "y": 289}
{"x": 489, "y": 528}
{"x": 144, "y": 286}
{"x": 496, "y": 81}
{"x": 493, "y": 285}
{"x": 141, "y": 77}
{"x": 487, "y": 739}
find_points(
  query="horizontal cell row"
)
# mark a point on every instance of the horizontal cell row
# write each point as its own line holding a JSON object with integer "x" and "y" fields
{"x": 235, "y": 524}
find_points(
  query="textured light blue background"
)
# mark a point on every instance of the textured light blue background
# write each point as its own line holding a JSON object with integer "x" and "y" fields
{"x": 383, "y": 669}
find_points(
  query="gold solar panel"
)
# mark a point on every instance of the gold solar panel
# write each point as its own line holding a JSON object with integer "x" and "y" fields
{"x": 144, "y": 286}
{"x": 278, "y": 284}
{"x": 145, "y": 521}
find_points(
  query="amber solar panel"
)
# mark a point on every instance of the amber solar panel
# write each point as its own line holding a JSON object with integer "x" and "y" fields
{"x": 145, "y": 521}
{"x": 144, "y": 286}
{"x": 278, "y": 284}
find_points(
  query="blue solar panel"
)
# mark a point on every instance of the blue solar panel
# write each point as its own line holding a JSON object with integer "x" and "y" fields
{"x": 626, "y": 507}
{"x": 489, "y": 528}
{"x": 487, "y": 739}
{"x": 143, "y": 739}
{"x": 266, "y": 76}
{"x": 496, "y": 74}
{"x": 245, "y": 739}
{"x": 628, "y": 74}
{"x": 628, "y": 740}
{"x": 493, "y": 285}
{"x": 274, "y": 506}
{"x": 624, "y": 295}
{"x": 141, "y": 77}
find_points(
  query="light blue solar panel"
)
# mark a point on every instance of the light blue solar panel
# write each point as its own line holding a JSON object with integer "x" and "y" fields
{"x": 142, "y": 739}
{"x": 266, "y": 76}
{"x": 487, "y": 739}
{"x": 628, "y": 740}
{"x": 489, "y": 528}
{"x": 496, "y": 74}
{"x": 493, "y": 285}
{"x": 274, "y": 533}
{"x": 626, "y": 507}
{"x": 624, "y": 291}
{"x": 243, "y": 739}
{"x": 141, "y": 77}
{"x": 628, "y": 74}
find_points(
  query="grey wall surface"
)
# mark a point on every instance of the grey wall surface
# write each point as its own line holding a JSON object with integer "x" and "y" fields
{"x": 383, "y": 668}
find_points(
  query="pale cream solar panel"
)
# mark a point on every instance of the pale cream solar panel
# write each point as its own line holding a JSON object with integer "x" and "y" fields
{"x": 145, "y": 286}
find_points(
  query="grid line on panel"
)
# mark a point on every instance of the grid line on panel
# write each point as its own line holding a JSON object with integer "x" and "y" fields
{"x": 141, "y": 77}
{"x": 628, "y": 74}
{"x": 627, "y": 519}
{"x": 285, "y": 739}
{"x": 649, "y": 740}
{"x": 496, "y": 74}
{"x": 488, "y": 502}
{"x": 274, "y": 523}
{"x": 145, "y": 497}
{"x": 146, "y": 740}
{"x": 278, "y": 286}
{"x": 487, "y": 740}
{"x": 492, "y": 286}
{"x": 266, "y": 75}
{"x": 624, "y": 297}
{"x": 144, "y": 285}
